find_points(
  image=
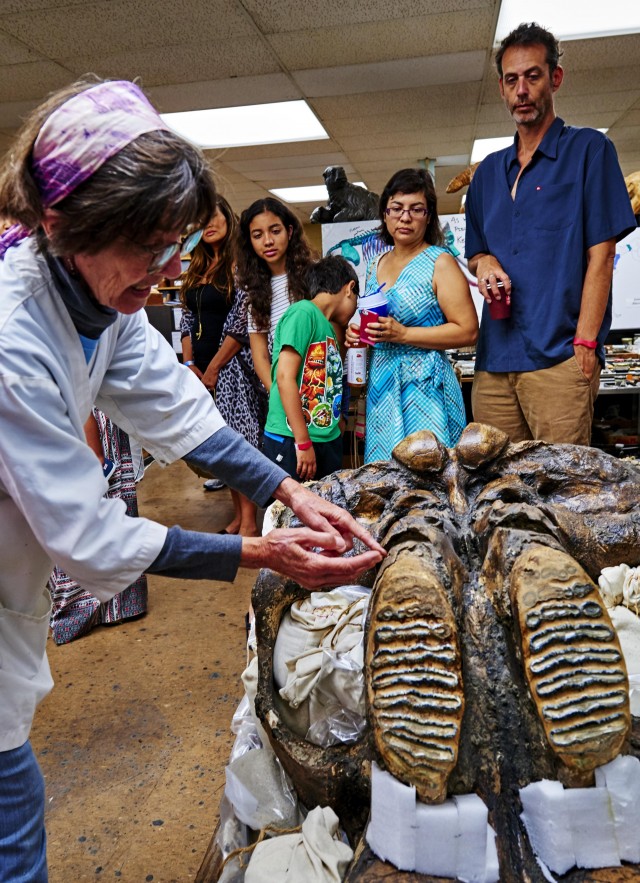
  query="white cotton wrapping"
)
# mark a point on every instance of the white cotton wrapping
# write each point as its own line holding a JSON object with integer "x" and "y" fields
{"x": 318, "y": 655}
{"x": 611, "y": 581}
{"x": 627, "y": 626}
{"x": 315, "y": 855}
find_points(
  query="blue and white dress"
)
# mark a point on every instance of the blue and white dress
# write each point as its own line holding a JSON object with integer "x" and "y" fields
{"x": 409, "y": 387}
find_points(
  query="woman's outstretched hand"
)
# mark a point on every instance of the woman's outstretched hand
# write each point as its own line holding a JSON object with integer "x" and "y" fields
{"x": 313, "y": 555}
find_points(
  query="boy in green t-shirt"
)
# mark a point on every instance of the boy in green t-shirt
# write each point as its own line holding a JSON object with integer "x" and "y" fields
{"x": 302, "y": 433}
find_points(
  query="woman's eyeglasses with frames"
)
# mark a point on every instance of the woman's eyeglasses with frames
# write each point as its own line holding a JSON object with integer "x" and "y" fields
{"x": 396, "y": 211}
{"x": 158, "y": 257}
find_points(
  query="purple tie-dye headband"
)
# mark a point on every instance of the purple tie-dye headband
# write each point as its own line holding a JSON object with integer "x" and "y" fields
{"x": 80, "y": 136}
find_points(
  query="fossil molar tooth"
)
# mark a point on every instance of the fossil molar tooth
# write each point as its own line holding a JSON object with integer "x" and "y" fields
{"x": 596, "y": 718}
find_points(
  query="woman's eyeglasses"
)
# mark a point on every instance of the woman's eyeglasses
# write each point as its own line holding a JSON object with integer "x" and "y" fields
{"x": 158, "y": 257}
{"x": 396, "y": 211}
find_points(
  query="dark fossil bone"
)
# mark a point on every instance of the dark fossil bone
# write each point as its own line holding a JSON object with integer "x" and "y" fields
{"x": 490, "y": 662}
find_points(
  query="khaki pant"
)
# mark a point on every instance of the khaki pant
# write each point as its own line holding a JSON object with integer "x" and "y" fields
{"x": 553, "y": 404}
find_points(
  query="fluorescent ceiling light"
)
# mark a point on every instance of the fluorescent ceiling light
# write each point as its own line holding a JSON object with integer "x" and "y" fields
{"x": 573, "y": 19}
{"x": 484, "y": 146}
{"x": 251, "y": 124}
{"x": 313, "y": 193}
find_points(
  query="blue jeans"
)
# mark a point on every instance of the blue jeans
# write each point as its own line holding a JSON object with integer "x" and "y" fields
{"x": 23, "y": 857}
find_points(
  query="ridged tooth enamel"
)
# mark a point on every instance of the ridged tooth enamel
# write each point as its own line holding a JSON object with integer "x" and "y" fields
{"x": 557, "y": 658}
{"x": 414, "y": 676}
{"x": 572, "y": 658}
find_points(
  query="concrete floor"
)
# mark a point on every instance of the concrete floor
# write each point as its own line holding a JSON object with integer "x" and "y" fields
{"x": 134, "y": 738}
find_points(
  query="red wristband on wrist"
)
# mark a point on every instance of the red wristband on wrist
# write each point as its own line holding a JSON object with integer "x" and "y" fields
{"x": 590, "y": 344}
{"x": 303, "y": 446}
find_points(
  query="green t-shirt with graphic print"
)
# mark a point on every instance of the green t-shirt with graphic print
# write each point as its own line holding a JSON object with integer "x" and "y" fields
{"x": 305, "y": 328}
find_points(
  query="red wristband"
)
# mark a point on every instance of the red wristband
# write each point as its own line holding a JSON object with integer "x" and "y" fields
{"x": 303, "y": 446}
{"x": 590, "y": 344}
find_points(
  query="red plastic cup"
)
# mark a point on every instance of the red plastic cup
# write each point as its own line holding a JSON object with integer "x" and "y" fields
{"x": 367, "y": 316}
{"x": 500, "y": 309}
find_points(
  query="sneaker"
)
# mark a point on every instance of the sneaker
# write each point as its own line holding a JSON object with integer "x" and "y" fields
{"x": 108, "y": 468}
{"x": 212, "y": 484}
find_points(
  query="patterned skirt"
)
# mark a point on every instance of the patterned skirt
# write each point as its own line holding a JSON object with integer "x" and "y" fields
{"x": 75, "y": 611}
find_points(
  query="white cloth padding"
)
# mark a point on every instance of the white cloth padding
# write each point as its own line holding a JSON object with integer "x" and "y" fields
{"x": 451, "y": 839}
{"x": 315, "y": 855}
{"x": 589, "y": 827}
{"x": 257, "y": 789}
{"x": 611, "y": 581}
{"x": 627, "y": 626}
{"x": 631, "y": 588}
{"x": 318, "y": 654}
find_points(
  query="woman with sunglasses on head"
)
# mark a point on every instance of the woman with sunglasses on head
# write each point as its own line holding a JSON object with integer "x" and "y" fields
{"x": 215, "y": 342}
{"x": 273, "y": 256}
{"x": 101, "y": 192}
{"x": 207, "y": 293}
{"x": 411, "y": 383}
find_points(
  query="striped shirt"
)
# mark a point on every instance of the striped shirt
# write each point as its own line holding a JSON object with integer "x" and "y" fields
{"x": 279, "y": 304}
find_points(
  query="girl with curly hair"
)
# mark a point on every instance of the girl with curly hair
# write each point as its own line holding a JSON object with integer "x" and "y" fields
{"x": 273, "y": 256}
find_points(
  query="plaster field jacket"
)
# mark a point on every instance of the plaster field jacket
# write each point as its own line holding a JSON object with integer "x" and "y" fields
{"x": 52, "y": 505}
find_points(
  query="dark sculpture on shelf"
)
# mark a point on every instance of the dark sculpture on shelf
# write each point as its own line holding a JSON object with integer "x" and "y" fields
{"x": 484, "y": 627}
{"x": 347, "y": 202}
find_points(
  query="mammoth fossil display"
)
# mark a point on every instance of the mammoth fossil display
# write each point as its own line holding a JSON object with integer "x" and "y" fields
{"x": 490, "y": 660}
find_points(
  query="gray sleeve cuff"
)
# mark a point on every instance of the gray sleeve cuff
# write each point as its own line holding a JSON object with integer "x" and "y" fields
{"x": 228, "y": 456}
{"x": 189, "y": 554}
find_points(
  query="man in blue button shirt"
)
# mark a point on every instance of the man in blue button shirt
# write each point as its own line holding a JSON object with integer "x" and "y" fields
{"x": 543, "y": 216}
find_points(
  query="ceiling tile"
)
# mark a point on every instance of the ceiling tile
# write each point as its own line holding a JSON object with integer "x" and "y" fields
{"x": 249, "y": 57}
{"x": 13, "y": 7}
{"x": 12, "y": 51}
{"x": 274, "y": 16}
{"x": 21, "y": 82}
{"x": 279, "y": 163}
{"x": 232, "y": 92}
{"x": 121, "y": 26}
{"x": 384, "y": 41}
{"x": 416, "y": 101}
{"x": 12, "y": 113}
{"x": 601, "y": 52}
{"x": 458, "y": 67}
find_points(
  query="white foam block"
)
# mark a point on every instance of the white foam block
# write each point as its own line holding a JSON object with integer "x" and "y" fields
{"x": 471, "y": 855}
{"x": 547, "y": 824}
{"x": 391, "y": 833}
{"x": 437, "y": 833}
{"x": 592, "y": 827}
{"x": 621, "y": 778}
{"x": 491, "y": 865}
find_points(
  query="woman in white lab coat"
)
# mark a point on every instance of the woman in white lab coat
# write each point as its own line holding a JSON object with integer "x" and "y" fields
{"x": 101, "y": 192}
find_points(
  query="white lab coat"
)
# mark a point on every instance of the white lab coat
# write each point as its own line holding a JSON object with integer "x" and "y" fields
{"x": 52, "y": 504}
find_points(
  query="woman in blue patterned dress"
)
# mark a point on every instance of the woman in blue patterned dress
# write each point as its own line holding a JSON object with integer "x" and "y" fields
{"x": 412, "y": 384}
